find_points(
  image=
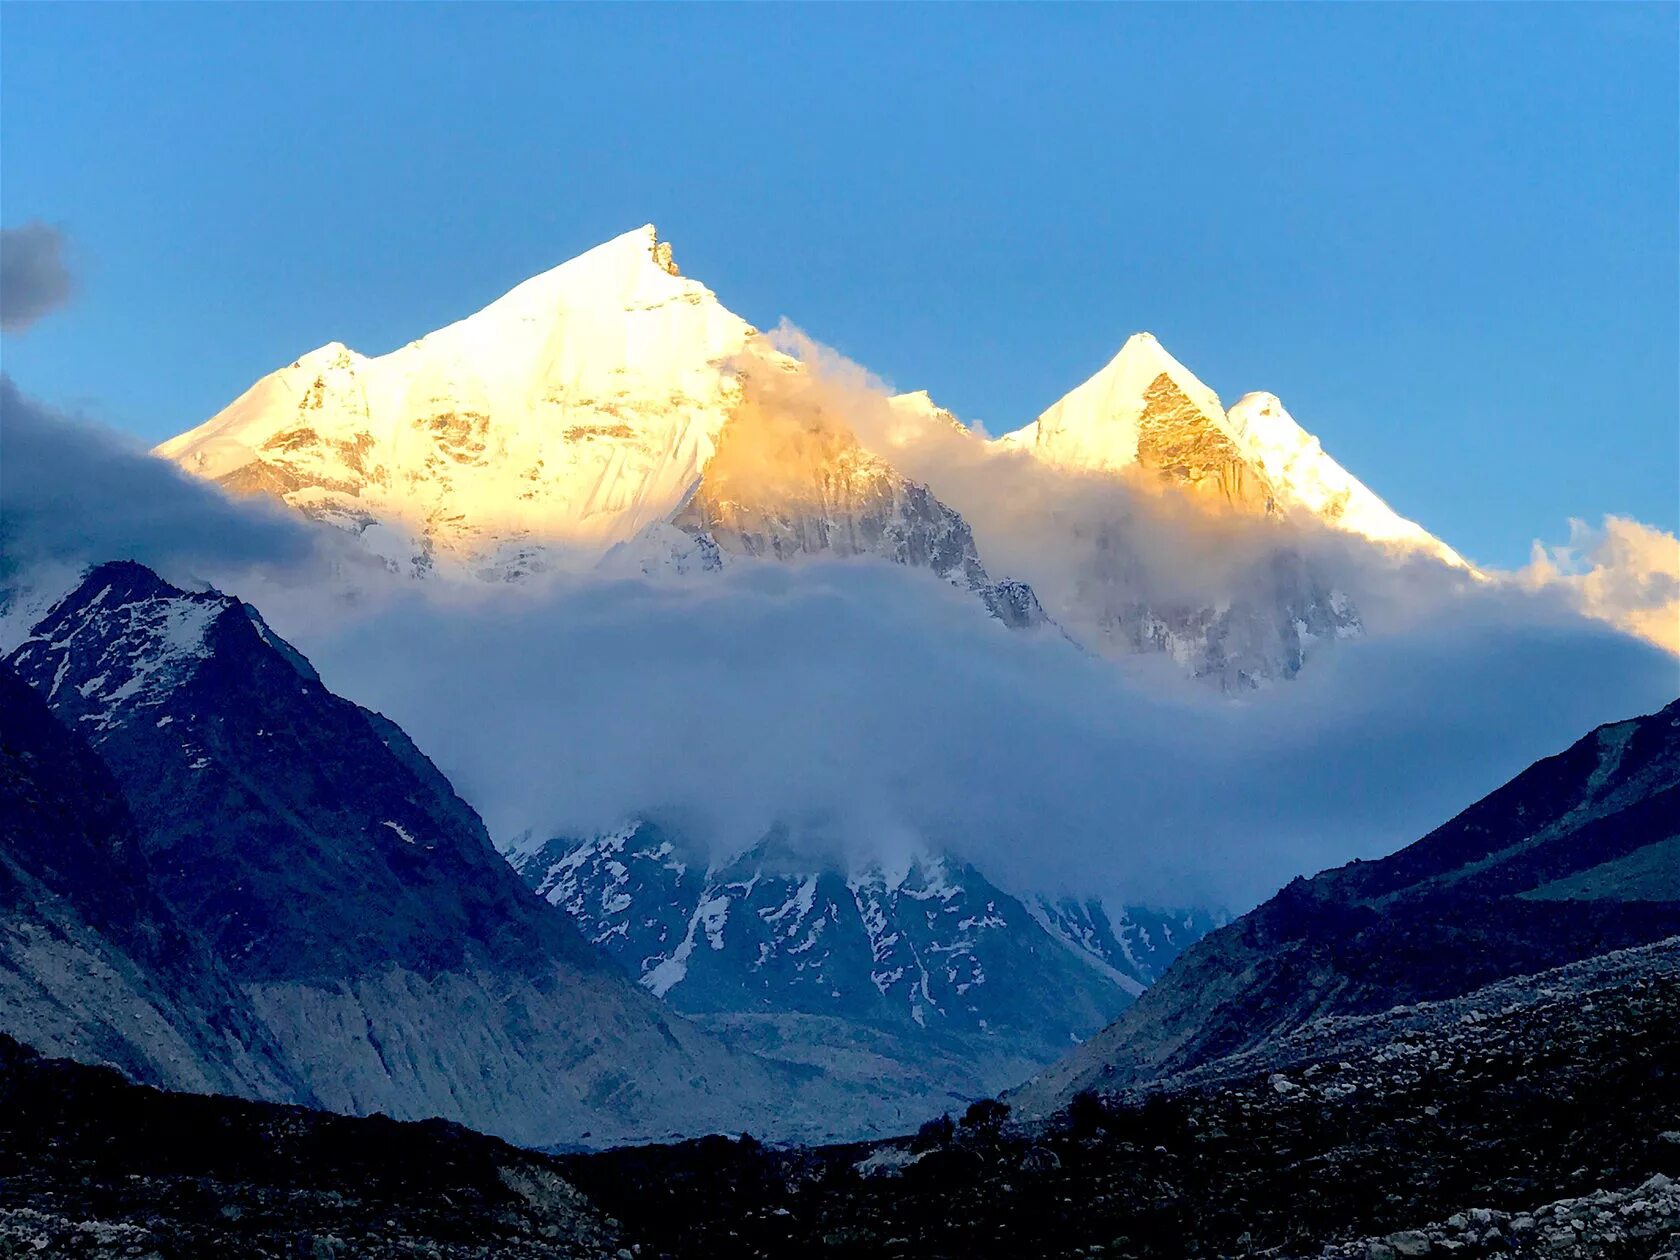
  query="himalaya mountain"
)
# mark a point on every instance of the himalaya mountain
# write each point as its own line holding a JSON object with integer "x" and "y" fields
{"x": 1577, "y": 856}
{"x": 918, "y": 970}
{"x": 582, "y": 412}
{"x": 354, "y": 904}
{"x": 612, "y": 410}
{"x": 1145, "y": 411}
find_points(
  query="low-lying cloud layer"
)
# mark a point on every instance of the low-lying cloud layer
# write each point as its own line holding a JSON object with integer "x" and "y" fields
{"x": 34, "y": 280}
{"x": 876, "y": 706}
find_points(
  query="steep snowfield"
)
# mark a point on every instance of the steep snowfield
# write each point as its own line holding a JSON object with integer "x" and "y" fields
{"x": 559, "y": 420}
{"x": 1310, "y": 481}
{"x": 1146, "y": 410}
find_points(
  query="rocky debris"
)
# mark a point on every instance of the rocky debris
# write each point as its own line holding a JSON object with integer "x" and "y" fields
{"x": 93, "y": 1166}
{"x": 1552, "y": 1089}
{"x": 1642, "y": 1220}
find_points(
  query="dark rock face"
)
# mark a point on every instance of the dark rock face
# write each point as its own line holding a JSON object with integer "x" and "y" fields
{"x": 358, "y": 902}
{"x": 1493, "y": 1122}
{"x": 92, "y": 962}
{"x": 91, "y": 1165}
{"x": 1572, "y": 858}
{"x": 308, "y": 837}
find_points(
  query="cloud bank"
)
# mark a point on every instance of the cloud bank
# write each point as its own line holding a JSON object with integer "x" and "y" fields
{"x": 34, "y": 280}
{"x": 873, "y": 706}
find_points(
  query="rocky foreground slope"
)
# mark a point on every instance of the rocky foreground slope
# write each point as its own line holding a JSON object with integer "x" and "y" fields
{"x": 91, "y": 1165}
{"x": 1536, "y": 1117}
{"x": 1539, "y": 1117}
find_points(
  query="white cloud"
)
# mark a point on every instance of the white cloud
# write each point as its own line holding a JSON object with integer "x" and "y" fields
{"x": 1623, "y": 573}
{"x": 873, "y": 703}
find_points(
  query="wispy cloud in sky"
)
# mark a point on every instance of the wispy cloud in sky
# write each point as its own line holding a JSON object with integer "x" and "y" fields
{"x": 1623, "y": 572}
{"x": 34, "y": 279}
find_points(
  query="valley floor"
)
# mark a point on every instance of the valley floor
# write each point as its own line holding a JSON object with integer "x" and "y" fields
{"x": 1349, "y": 1138}
{"x": 1537, "y": 1117}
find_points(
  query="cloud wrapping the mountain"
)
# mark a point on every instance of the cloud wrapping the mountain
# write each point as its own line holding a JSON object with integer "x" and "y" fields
{"x": 872, "y": 705}
{"x": 34, "y": 280}
{"x": 877, "y": 707}
{"x": 1090, "y": 541}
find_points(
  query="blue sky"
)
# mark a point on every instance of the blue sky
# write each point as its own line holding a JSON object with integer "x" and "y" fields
{"x": 1448, "y": 236}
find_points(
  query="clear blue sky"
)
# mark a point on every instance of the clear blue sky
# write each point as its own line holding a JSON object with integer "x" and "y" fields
{"x": 1447, "y": 235}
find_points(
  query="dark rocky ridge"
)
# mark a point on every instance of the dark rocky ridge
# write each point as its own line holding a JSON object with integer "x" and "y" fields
{"x": 1566, "y": 861}
{"x": 91, "y": 960}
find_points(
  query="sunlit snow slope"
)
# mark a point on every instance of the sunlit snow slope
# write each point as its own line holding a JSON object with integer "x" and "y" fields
{"x": 1146, "y": 410}
{"x": 561, "y": 419}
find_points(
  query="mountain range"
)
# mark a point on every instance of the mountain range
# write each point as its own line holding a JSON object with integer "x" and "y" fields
{"x": 612, "y": 407}
{"x": 219, "y": 876}
{"x": 919, "y": 970}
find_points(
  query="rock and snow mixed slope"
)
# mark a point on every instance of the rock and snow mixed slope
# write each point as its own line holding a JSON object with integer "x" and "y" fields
{"x": 1146, "y": 411}
{"x": 921, "y": 969}
{"x": 385, "y": 946}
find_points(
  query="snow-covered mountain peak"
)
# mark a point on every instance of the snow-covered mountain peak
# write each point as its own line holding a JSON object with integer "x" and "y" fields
{"x": 1146, "y": 410}
{"x": 566, "y": 416}
{"x": 1100, "y": 425}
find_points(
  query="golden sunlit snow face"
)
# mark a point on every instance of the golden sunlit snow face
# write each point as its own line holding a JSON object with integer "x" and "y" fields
{"x": 600, "y": 406}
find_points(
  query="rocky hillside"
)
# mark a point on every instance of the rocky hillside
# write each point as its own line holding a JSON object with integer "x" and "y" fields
{"x": 94, "y": 1166}
{"x": 389, "y": 950}
{"x": 93, "y": 964}
{"x": 1577, "y": 855}
{"x": 1532, "y": 1118}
